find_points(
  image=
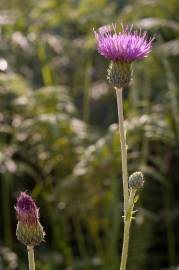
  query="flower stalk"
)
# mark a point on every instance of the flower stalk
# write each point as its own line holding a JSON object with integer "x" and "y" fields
{"x": 128, "y": 200}
{"x": 119, "y": 92}
{"x": 127, "y": 223}
{"x": 30, "y": 250}
{"x": 130, "y": 186}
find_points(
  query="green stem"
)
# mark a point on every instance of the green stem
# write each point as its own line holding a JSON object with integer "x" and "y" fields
{"x": 31, "y": 260}
{"x": 125, "y": 245}
{"x": 128, "y": 201}
{"x": 127, "y": 223}
{"x": 123, "y": 148}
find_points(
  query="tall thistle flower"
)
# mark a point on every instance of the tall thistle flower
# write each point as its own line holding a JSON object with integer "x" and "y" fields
{"x": 29, "y": 230}
{"x": 122, "y": 48}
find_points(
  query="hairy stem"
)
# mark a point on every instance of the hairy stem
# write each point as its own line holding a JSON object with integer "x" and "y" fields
{"x": 125, "y": 245}
{"x": 128, "y": 201}
{"x": 123, "y": 148}
{"x": 31, "y": 260}
{"x": 127, "y": 223}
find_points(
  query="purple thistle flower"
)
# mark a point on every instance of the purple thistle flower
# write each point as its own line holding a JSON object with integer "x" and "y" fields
{"x": 125, "y": 46}
{"x": 26, "y": 209}
{"x": 29, "y": 230}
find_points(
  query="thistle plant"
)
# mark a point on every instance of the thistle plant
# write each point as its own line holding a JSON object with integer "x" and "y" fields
{"x": 29, "y": 230}
{"x": 122, "y": 48}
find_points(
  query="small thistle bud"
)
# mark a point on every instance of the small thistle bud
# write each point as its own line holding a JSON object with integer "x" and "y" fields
{"x": 119, "y": 74}
{"x": 29, "y": 230}
{"x": 136, "y": 180}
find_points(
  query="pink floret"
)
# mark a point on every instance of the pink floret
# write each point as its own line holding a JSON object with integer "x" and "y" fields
{"x": 125, "y": 46}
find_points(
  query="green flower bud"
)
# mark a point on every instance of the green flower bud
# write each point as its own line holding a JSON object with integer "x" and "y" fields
{"x": 30, "y": 235}
{"x": 119, "y": 74}
{"x": 136, "y": 180}
{"x": 29, "y": 230}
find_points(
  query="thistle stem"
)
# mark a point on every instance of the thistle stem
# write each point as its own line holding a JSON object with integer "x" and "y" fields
{"x": 127, "y": 201}
{"x": 123, "y": 147}
{"x": 125, "y": 245}
{"x": 127, "y": 224}
{"x": 30, "y": 250}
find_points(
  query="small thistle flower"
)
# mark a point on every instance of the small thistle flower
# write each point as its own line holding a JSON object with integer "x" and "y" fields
{"x": 125, "y": 46}
{"x": 122, "y": 48}
{"x": 136, "y": 180}
{"x": 29, "y": 230}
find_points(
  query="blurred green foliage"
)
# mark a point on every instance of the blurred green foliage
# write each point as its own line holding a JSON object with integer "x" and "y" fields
{"x": 59, "y": 140}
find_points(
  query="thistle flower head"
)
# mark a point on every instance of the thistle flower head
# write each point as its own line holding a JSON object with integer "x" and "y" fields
{"x": 29, "y": 230}
{"x": 124, "y": 46}
{"x": 26, "y": 209}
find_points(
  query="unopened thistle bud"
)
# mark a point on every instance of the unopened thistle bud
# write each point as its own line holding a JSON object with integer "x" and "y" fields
{"x": 119, "y": 74}
{"x": 136, "y": 180}
{"x": 29, "y": 230}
